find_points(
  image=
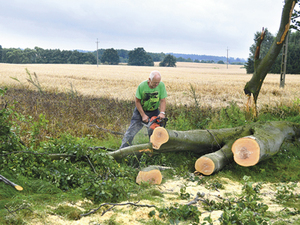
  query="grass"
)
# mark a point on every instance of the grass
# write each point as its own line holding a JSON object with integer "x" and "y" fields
{"x": 71, "y": 114}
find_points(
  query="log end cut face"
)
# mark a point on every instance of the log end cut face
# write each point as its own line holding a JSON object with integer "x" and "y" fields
{"x": 205, "y": 165}
{"x": 159, "y": 137}
{"x": 152, "y": 176}
{"x": 246, "y": 151}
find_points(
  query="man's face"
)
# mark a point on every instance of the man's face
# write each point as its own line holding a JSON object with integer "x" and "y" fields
{"x": 154, "y": 82}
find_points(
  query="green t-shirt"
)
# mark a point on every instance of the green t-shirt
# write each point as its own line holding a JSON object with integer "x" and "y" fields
{"x": 150, "y": 98}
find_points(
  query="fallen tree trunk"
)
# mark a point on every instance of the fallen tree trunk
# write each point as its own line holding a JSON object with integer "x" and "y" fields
{"x": 246, "y": 145}
{"x": 163, "y": 140}
{"x": 262, "y": 140}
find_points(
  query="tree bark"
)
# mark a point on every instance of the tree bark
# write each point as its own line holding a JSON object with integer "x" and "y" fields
{"x": 262, "y": 67}
{"x": 133, "y": 149}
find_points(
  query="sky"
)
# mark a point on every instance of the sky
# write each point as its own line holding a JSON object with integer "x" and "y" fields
{"x": 202, "y": 27}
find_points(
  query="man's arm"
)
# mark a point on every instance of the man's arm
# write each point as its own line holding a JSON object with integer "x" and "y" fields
{"x": 162, "y": 108}
{"x": 139, "y": 107}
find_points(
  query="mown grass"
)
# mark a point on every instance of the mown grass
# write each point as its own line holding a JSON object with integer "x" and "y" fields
{"x": 76, "y": 116}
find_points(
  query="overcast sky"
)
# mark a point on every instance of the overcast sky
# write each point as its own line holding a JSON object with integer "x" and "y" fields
{"x": 203, "y": 27}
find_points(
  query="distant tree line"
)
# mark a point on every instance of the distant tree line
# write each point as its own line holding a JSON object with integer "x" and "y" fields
{"x": 207, "y": 58}
{"x": 293, "y": 53}
{"x": 138, "y": 57}
{"x": 47, "y": 56}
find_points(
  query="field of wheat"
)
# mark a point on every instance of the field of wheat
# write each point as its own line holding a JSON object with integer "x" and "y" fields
{"x": 213, "y": 85}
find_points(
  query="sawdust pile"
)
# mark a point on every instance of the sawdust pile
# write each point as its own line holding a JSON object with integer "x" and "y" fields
{"x": 128, "y": 214}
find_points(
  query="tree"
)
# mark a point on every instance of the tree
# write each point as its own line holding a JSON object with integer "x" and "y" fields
{"x": 293, "y": 53}
{"x": 14, "y": 56}
{"x": 110, "y": 56}
{"x": 1, "y": 50}
{"x": 181, "y": 59}
{"x": 262, "y": 66}
{"x": 139, "y": 57}
{"x": 169, "y": 61}
{"x": 157, "y": 57}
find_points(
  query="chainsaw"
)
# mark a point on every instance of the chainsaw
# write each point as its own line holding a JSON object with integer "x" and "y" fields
{"x": 156, "y": 121}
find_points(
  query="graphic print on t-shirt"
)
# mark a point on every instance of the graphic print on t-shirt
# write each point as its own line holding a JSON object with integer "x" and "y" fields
{"x": 149, "y": 101}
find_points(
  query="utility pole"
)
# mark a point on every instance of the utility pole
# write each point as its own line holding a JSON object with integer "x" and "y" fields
{"x": 283, "y": 61}
{"x": 97, "y": 52}
{"x": 227, "y": 57}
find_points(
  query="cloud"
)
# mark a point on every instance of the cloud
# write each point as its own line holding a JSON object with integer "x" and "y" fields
{"x": 197, "y": 27}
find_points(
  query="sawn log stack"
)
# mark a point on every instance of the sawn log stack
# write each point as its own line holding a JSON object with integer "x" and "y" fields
{"x": 246, "y": 145}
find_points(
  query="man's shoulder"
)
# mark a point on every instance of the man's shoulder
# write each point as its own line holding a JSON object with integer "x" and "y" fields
{"x": 143, "y": 83}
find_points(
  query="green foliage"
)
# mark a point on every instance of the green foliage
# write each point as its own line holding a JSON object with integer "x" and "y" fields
{"x": 40, "y": 55}
{"x": 183, "y": 194}
{"x": 214, "y": 185}
{"x": 178, "y": 213}
{"x": 169, "y": 61}
{"x": 110, "y": 57}
{"x": 9, "y": 141}
{"x": 292, "y": 66}
{"x": 281, "y": 112}
{"x": 230, "y": 116}
{"x": 285, "y": 193}
{"x": 248, "y": 188}
{"x": 139, "y": 57}
{"x": 69, "y": 212}
{"x": 244, "y": 210}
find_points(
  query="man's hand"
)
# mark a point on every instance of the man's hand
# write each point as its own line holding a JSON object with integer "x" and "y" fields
{"x": 162, "y": 115}
{"x": 145, "y": 118}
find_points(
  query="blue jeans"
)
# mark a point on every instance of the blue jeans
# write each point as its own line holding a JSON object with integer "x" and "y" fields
{"x": 135, "y": 126}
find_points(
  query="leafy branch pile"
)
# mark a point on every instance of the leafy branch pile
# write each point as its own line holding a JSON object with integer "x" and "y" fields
{"x": 99, "y": 177}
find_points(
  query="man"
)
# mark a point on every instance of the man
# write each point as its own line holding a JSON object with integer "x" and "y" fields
{"x": 150, "y": 95}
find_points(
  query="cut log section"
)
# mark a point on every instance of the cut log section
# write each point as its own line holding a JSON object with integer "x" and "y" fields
{"x": 264, "y": 143}
{"x": 214, "y": 162}
{"x": 246, "y": 151}
{"x": 205, "y": 165}
{"x": 159, "y": 136}
{"x": 153, "y": 177}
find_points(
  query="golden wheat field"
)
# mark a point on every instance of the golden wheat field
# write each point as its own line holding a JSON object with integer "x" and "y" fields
{"x": 214, "y": 85}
